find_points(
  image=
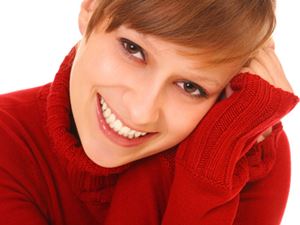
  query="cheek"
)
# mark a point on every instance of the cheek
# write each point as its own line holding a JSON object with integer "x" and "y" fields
{"x": 95, "y": 64}
{"x": 104, "y": 70}
{"x": 183, "y": 122}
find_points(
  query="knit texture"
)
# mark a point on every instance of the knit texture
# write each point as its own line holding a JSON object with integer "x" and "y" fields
{"x": 46, "y": 177}
{"x": 233, "y": 125}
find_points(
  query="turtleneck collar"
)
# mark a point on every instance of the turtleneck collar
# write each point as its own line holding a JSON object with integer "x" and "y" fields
{"x": 83, "y": 173}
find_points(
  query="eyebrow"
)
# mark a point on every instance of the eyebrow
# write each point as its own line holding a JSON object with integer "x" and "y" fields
{"x": 192, "y": 76}
{"x": 199, "y": 78}
{"x": 143, "y": 38}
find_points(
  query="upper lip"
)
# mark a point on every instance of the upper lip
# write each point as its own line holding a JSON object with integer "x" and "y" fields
{"x": 119, "y": 118}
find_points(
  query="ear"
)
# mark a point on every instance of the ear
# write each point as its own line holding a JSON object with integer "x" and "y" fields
{"x": 86, "y": 11}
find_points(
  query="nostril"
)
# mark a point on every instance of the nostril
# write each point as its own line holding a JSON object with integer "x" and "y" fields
{"x": 143, "y": 109}
{"x": 116, "y": 123}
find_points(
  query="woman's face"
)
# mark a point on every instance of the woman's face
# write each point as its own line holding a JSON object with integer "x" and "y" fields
{"x": 134, "y": 95}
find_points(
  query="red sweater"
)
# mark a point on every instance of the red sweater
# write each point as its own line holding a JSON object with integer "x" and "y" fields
{"x": 46, "y": 178}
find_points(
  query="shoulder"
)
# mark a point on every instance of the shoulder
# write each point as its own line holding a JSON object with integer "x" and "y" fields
{"x": 23, "y": 98}
{"x": 22, "y": 108}
{"x": 21, "y": 133}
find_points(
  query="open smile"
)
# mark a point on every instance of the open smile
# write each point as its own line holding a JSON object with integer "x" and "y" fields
{"x": 115, "y": 129}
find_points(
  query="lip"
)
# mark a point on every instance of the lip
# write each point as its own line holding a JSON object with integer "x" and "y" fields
{"x": 113, "y": 136}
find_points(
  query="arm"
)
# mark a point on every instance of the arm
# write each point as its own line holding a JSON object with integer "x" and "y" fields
{"x": 212, "y": 167}
{"x": 212, "y": 163}
{"x": 263, "y": 200}
{"x": 17, "y": 205}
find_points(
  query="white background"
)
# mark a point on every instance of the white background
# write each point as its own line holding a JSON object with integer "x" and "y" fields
{"x": 35, "y": 35}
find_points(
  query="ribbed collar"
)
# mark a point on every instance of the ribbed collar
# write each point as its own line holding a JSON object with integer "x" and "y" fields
{"x": 86, "y": 177}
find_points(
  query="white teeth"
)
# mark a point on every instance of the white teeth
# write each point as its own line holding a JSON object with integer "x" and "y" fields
{"x": 117, "y": 125}
{"x": 111, "y": 119}
{"x": 106, "y": 113}
{"x": 104, "y": 106}
{"x": 123, "y": 131}
{"x": 131, "y": 134}
{"x": 137, "y": 134}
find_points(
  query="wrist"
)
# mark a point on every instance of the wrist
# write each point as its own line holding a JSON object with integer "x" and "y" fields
{"x": 217, "y": 146}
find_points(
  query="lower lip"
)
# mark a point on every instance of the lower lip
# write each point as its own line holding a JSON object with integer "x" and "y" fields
{"x": 115, "y": 137}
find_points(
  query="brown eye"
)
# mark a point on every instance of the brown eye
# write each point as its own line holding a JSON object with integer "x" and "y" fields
{"x": 133, "y": 49}
{"x": 192, "y": 89}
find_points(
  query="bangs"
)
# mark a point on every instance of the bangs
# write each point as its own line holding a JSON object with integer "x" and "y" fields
{"x": 225, "y": 29}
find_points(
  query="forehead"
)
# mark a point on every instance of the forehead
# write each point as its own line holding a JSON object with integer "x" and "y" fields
{"x": 204, "y": 57}
{"x": 192, "y": 64}
{"x": 177, "y": 59}
{"x": 194, "y": 60}
{"x": 156, "y": 45}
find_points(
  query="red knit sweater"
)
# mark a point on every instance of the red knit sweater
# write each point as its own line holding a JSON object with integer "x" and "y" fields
{"x": 46, "y": 178}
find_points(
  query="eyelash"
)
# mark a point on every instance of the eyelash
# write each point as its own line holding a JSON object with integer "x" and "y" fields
{"x": 126, "y": 43}
{"x": 200, "y": 91}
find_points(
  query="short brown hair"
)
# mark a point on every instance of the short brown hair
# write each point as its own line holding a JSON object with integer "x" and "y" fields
{"x": 229, "y": 29}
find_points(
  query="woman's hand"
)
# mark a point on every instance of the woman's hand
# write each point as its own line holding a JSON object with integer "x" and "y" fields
{"x": 212, "y": 166}
{"x": 266, "y": 64}
{"x": 256, "y": 99}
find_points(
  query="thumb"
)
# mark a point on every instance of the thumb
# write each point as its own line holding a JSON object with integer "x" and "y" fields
{"x": 228, "y": 91}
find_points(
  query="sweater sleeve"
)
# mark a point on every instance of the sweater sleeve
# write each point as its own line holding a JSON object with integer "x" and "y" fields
{"x": 16, "y": 178}
{"x": 15, "y": 207}
{"x": 264, "y": 198}
{"x": 212, "y": 167}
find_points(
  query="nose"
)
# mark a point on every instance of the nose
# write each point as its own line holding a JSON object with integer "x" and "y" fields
{"x": 144, "y": 104}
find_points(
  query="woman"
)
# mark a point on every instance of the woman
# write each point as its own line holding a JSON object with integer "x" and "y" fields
{"x": 166, "y": 112}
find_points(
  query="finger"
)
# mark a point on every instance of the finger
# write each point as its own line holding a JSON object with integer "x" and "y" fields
{"x": 264, "y": 135}
{"x": 228, "y": 91}
{"x": 260, "y": 70}
{"x": 276, "y": 71}
{"x": 270, "y": 54}
{"x": 273, "y": 65}
{"x": 270, "y": 44}
{"x": 255, "y": 67}
{"x": 247, "y": 69}
{"x": 268, "y": 66}
{"x": 260, "y": 138}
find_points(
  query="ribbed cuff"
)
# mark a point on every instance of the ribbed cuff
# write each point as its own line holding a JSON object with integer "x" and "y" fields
{"x": 215, "y": 149}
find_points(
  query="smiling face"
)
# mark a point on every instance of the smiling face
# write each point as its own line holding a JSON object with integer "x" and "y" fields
{"x": 134, "y": 95}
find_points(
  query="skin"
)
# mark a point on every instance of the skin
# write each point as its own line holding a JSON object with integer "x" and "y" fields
{"x": 148, "y": 93}
{"x": 266, "y": 64}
